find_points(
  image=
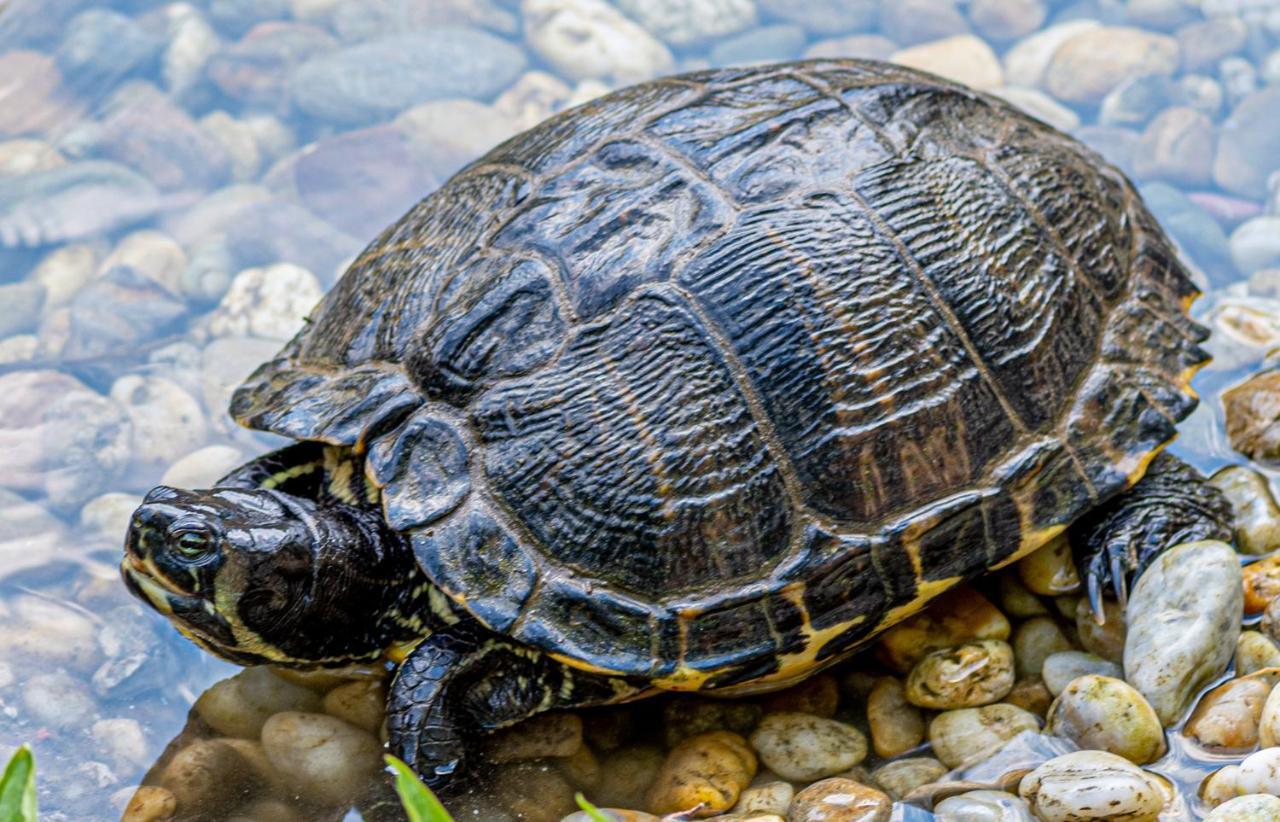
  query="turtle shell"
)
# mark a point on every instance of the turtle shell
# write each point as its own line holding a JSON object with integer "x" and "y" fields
{"x": 711, "y": 379}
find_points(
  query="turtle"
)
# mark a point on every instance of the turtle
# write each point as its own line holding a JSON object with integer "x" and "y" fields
{"x": 699, "y": 386}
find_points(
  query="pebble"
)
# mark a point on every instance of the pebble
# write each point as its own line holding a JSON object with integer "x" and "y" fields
{"x": 1136, "y": 100}
{"x": 1269, "y": 719}
{"x": 122, "y": 742}
{"x": 1251, "y": 410}
{"x": 444, "y": 135}
{"x": 377, "y": 79}
{"x": 1035, "y": 641}
{"x": 240, "y": 705}
{"x": 1203, "y": 94}
{"x": 612, "y": 815}
{"x": 626, "y": 775}
{"x": 684, "y": 22}
{"x": 1085, "y": 67}
{"x": 1015, "y": 600}
{"x": 1255, "y": 244}
{"x": 101, "y": 46}
{"x": 900, "y": 777}
{"x": 20, "y": 306}
{"x": 1249, "y": 144}
{"x": 823, "y": 17}
{"x": 896, "y": 725}
{"x": 192, "y": 41}
{"x": 167, "y": 422}
{"x": 958, "y": 616}
{"x": 1192, "y": 227}
{"x": 214, "y": 774}
{"x": 1050, "y": 570}
{"x": 269, "y": 303}
{"x": 710, "y": 769}
{"x": 770, "y": 797}
{"x": 58, "y": 700}
{"x": 363, "y": 703}
{"x": 803, "y": 747}
{"x": 965, "y": 676}
{"x": 683, "y": 718}
{"x": 589, "y": 38}
{"x": 858, "y": 46}
{"x": 1177, "y": 146}
{"x": 1107, "y": 714}
{"x": 963, "y": 737}
{"x": 533, "y": 792}
{"x": 1061, "y": 668}
{"x": 33, "y": 100}
{"x": 146, "y": 130}
{"x": 1219, "y": 786}
{"x": 1030, "y": 694}
{"x": 760, "y": 45}
{"x": 1007, "y": 19}
{"x": 1184, "y": 616}
{"x": 1092, "y": 785}
{"x": 203, "y": 467}
{"x": 150, "y": 803}
{"x": 73, "y": 202}
{"x": 1105, "y": 640}
{"x": 1257, "y": 523}
{"x": 1250, "y": 808}
{"x": 1204, "y": 43}
{"x": 840, "y": 800}
{"x": 983, "y": 806}
{"x": 1239, "y": 78}
{"x": 547, "y": 735}
{"x": 1260, "y": 773}
{"x": 963, "y": 58}
{"x": 1254, "y": 652}
{"x": 1041, "y": 106}
{"x": 255, "y": 71}
{"x": 920, "y": 21}
{"x": 1026, "y": 62}
{"x": 321, "y": 756}
{"x": 26, "y": 156}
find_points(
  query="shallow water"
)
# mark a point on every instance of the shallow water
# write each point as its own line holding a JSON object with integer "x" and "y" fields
{"x": 151, "y": 153}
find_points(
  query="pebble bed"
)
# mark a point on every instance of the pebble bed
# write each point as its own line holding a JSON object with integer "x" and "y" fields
{"x": 180, "y": 182}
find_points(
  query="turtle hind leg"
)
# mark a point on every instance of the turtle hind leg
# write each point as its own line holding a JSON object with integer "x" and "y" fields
{"x": 1170, "y": 505}
{"x": 464, "y": 680}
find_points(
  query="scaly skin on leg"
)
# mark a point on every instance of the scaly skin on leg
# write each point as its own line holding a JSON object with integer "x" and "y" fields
{"x": 1170, "y": 505}
{"x": 464, "y": 680}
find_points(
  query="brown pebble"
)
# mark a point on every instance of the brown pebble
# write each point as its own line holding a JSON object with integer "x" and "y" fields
{"x": 1031, "y": 694}
{"x": 626, "y": 775}
{"x": 208, "y": 774}
{"x": 817, "y": 695}
{"x": 534, "y": 792}
{"x": 707, "y": 772}
{"x": 543, "y": 736}
{"x": 897, "y": 726}
{"x": 1105, "y": 640}
{"x": 150, "y": 803}
{"x": 960, "y": 615}
{"x": 582, "y": 768}
{"x": 1050, "y": 570}
{"x": 1227, "y": 717}
{"x": 840, "y": 800}
{"x": 1261, "y": 584}
{"x": 362, "y": 702}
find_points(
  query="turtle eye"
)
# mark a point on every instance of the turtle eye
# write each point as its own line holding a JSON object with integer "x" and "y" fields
{"x": 192, "y": 543}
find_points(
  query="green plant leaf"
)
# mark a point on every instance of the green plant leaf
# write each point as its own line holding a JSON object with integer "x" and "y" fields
{"x": 18, "y": 788}
{"x": 419, "y": 802}
{"x": 592, "y": 810}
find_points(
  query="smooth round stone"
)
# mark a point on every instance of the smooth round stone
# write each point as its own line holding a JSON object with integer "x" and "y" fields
{"x": 321, "y": 756}
{"x": 963, "y": 58}
{"x": 1260, "y": 773}
{"x": 1026, "y": 61}
{"x": 983, "y": 806}
{"x": 362, "y": 703}
{"x": 211, "y": 774}
{"x": 1255, "y": 652}
{"x": 1040, "y": 105}
{"x": 682, "y": 22}
{"x": 896, "y": 725}
{"x": 970, "y": 735}
{"x": 1251, "y": 808}
{"x": 1239, "y": 78}
{"x": 58, "y": 700}
{"x": 241, "y": 705}
{"x": 1107, "y": 714}
{"x": 26, "y": 155}
{"x": 192, "y": 41}
{"x": 1092, "y": 785}
{"x": 73, "y": 202}
{"x": 840, "y": 800}
{"x": 1036, "y": 640}
{"x": 20, "y": 348}
{"x": 1006, "y": 19}
{"x": 20, "y": 306}
{"x": 823, "y": 16}
{"x": 966, "y": 676}
{"x": 900, "y": 777}
{"x": 1061, "y": 668}
{"x": 760, "y": 45}
{"x": 1252, "y": 409}
{"x": 1205, "y": 42}
{"x": 533, "y": 791}
{"x": 237, "y": 140}
{"x": 857, "y": 46}
{"x": 1050, "y": 570}
{"x": 1269, "y": 719}
{"x": 920, "y": 21}
{"x": 710, "y": 769}
{"x": 255, "y": 71}
{"x": 1105, "y": 640}
{"x": 108, "y": 515}
{"x": 1194, "y": 228}
{"x": 1257, "y": 528}
{"x": 1084, "y": 68}
{"x": 771, "y": 797}
{"x": 1016, "y": 600}
{"x": 960, "y": 615}
{"x": 626, "y": 775}
{"x": 1249, "y": 144}
{"x": 802, "y": 747}
{"x": 1203, "y": 94}
{"x": 101, "y": 46}
{"x": 546, "y": 735}
{"x": 150, "y": 803}
{"x": 203, "y": 467}
{"x": 612, "y": 815}
{"x": 377, "y": 79}
{"x": 1219, "y": 786}
{"x": 167, "y": 421}
{"x": 269, "y": 303}
{"x": 1184, "y": 617}
{"x": 1031, "y": 694}
{"x": 1255, "y": 244}
{"x": 1135, "y": 101}
{"x": 589, "y": 38}
{"x": 1177, "y": 146}
{"x": 122, "y": 743}
{"x": 446, "y": 134}
{"x": 153, "y": 254}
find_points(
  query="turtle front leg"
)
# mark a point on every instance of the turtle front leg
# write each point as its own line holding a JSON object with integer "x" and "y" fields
{"x": 464, "y": 680}
{"x": 1170, "y": 505}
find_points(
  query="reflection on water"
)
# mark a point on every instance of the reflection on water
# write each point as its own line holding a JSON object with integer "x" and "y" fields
{"x": 180, "y": 182}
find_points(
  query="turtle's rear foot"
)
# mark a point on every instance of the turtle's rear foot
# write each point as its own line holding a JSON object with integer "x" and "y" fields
{"x": 1170, "y": 505}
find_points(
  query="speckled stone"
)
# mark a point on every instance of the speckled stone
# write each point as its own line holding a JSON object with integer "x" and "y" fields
{"x": 803, "y": 747}
{"x": 969, "y": 735}
{"x": 1092, "y": 785}
{"x": 1107, "y": 714}
{"x": 966, "y": 676}
{"x": 840, "y": 800}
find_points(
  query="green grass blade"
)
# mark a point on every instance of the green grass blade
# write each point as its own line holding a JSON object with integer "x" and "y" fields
{"x": 419, "y": 802}
{"x": 18, "y": 788}
{"x": 592, "y": 810}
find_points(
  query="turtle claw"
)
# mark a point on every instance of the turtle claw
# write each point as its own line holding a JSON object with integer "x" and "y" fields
{"x": 1119, "y": 580}
{"x": 1109, "y": 567}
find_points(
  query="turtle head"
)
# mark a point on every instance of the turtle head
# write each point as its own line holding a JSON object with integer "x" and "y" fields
{"x": 259, "y": 576}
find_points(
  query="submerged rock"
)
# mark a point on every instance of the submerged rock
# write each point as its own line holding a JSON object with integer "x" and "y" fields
{"x": 1092, "y": 785}
{"x": 72, "y": 202}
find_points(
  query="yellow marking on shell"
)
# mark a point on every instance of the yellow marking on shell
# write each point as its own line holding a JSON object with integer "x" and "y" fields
{"x": 1032, "y": 538}
{"x": 926, "y": 590}
{"x": 292, "y": 472}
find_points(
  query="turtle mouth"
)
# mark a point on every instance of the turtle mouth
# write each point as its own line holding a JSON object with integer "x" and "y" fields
{"x": 195, "y": 616}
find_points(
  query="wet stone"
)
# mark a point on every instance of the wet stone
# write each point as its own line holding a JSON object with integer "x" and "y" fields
{"x": 1177, "y": 146}
{"x": 209, "y": 774}
{"x": 613, "y": 815}
{"x": 770, "y": 797}
{"x": 963, "y": 58}
{"x": 1257, "y": 520}
{"x": 101, "y": 46}
{"x": 682, "y": 22}
{"x": 1006, "y": 19}
{"x": 1254, "y": 652}
{"x": 321, "y": 756}
{"x": 760, "y": 45}
{"x": 362, "y": 703}
{"x": 25, "y": 156}
{"x": 1184, "y": 615}
{"x": 1050, "y": 570}
{"x": 966, "y": 676}
{"x": 589, "y": 38}
{"x": 1249, "y": 144}
{"x": 1031, "y": 694}
{"x": 1255, "y": 244}
{"x": 900, "y": 777}
{"x": 72, "y": 202}
{"x": 683, "y": 718}
{"x": 858, "y": 46}
{"x": 1268, "y": 724}
{"x": 546, "y": 735}
{"x": 710, "y": 769}
{"x": 58, "y": 700}
{"x": 818, "y": 695}
{"x": 1252, "y": 409}
{"x": 920, "y": 21}
{"x": 1036, "y": 640}
{"x": 1105, "y": 640}
{"x": 840, "y": 800}
{"x": 167, "y": 421}
{"x": 1250, "y": 808}
{"x": 1135, "y": 101}
{"x": 1219, "y": 786}
{"x": 533, "y": 792}
{"x": 1016, "y": 600}
{"x": 960, "y": 615}
{"x": 983, "y": 806}
{"x": 241, "y": 705}
{"x": 896, "y": 725}
{"x": 150, "y": 803}
{"x": 1092, "y": 785}
{"x": 963, "y": 737}
{"x": 266, "y": 302}
{"x": 1061, "y": 668}
{"x": 626, "y": 775}
{"x": 1205, "y": 42}
{"x": 1086, "y": 67}
{"x": 255, "y": 71}
{"x": 1260, "y": 773}
{"x": 1107, "y": 714}
{"x": 803, "y": 747}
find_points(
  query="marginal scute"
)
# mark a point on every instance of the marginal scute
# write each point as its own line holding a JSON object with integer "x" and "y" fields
{"x": 602, "y": 628}
{"x": 423, "y": 470}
